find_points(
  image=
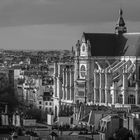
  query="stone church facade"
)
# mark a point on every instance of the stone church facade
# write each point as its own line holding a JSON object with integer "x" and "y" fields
{"x": 107, "y": 67}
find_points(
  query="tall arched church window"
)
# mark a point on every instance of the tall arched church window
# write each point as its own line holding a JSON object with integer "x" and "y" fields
{"x": 131, "y": 99}
{"x": 83, "y": 48}
{"x": 131, "y": 82}
{"x": 83, "y": 70}
{"x": 120, "y": 99}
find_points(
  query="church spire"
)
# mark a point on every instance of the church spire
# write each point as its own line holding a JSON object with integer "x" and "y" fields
{"x": 120, "y": 26}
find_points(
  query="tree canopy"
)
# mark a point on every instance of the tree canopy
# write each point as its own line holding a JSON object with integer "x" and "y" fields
{"x": 8, "y": 96}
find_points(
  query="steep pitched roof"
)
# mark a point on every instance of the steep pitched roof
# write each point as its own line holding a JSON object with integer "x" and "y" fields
{"x": 107, "y": 44}
{"x": 102, "y": 44}
{"x": 132, "y": 44}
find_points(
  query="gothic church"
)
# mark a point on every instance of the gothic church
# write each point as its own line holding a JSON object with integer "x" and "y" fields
{"x": 107, "y": 67}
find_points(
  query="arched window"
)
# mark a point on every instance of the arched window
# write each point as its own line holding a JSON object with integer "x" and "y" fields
{"x": 83, "y": 48}
{"x": 131, "y": 99}
{"x": 83, "y": 70}
{"x": 120, "y": 99}
{"x": 132, "y": 81}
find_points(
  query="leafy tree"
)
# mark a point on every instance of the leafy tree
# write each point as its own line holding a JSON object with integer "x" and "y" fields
{"x": 7, "y": 95}
{"x": 37, "y": 114}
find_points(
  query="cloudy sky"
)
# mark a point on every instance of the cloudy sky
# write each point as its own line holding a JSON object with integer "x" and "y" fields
{"x": 58, "y": 24}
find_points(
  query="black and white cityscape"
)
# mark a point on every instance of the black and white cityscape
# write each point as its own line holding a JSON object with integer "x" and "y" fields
{"x": 69, "y": 72}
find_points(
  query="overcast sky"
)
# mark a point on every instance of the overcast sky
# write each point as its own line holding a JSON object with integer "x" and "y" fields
{"x": 58, "y": 24}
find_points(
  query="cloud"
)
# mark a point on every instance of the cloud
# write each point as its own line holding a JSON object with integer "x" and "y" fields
{"x": 8, "y": 2}
{"x": 30, "y": 12}
{"x": 59, "y": 23}
{"x": 53, "y": 36}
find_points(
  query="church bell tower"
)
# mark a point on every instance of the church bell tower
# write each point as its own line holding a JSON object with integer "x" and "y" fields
{"x": 120, "y": 26}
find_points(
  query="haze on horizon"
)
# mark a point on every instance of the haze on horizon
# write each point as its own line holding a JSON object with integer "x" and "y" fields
{"x": 58, "y": 24}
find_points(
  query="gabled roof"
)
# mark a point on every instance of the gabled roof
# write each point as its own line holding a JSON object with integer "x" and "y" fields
{"x": 107, "y": 44}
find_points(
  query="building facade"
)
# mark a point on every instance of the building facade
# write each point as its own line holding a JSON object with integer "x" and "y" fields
{"x": 107, "y": 67}
{"x": 63, "y": 88}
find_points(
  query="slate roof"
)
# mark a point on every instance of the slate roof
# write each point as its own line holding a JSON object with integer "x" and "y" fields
{"x": 132, "y": 45}
{"x": 107, "y": 44}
